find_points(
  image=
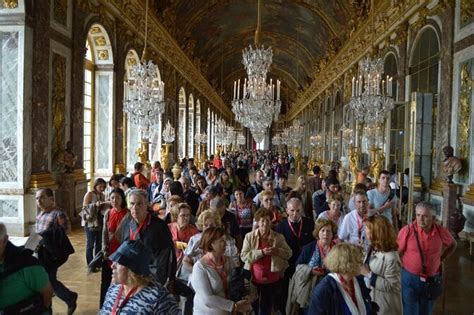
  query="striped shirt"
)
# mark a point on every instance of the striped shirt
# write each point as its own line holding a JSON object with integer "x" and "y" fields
{"x": 153, "y": 299}
{"x": 49, "y": 219}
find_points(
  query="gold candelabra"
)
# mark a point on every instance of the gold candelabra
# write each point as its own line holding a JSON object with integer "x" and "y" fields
{"x": 354, "y": 155}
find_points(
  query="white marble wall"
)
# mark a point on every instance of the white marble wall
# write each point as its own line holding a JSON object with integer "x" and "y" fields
{"x": 16, "y": 210}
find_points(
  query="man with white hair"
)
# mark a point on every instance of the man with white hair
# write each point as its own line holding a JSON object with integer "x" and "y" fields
{"x": 423, "y": 246}
{"x": 24, "y": 282}
{"x": 154, "y": 233}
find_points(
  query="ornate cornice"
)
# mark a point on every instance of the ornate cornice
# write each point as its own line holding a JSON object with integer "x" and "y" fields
{"x": 131, "y": 12}
{"x": 387, "y": 18}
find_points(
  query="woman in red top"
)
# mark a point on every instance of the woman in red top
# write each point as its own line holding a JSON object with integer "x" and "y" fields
{"x": 110, "y": 238}
{"x": 181, "y": 230}
{"x": 265, "y": 254}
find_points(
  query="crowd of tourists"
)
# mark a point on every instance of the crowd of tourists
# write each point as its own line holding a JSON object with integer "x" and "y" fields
{"x": 234, "y": 238}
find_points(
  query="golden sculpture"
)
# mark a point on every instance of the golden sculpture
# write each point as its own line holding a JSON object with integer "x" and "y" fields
{"x": 354, "y": 164}
{"x": 59, "y": 108}
{"x": 176, "y": 170}
{"x": 10, "y": 4}
{"x": 165, "y": 160}
{"x": 464, "y": 116}
{"x": 377, "y": 162}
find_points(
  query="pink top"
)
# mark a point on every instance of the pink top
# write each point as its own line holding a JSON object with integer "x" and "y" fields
{"x": 431, "y": 244}
{"x": 181, "y": 236}
{"x": 261, "y": 269}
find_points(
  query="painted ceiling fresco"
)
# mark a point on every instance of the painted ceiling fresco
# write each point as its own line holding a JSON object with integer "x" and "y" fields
{"x": 214, "y": 32}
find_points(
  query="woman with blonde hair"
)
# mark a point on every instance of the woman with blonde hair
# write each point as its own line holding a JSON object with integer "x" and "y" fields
{"x": 342, "y": 291}
{"x": 383, "y": 272}
{"x": 180, "y": 228}
{"x": 193, "y": 253}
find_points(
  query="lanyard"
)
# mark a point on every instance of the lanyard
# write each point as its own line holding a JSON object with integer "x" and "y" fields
{"x": 220, "y": 269}
{"x": 133, "y": 236}
{"x": 117, "y": 307}
{"x": 321, "y": 250}
{"x": 298, "y": 236}
{"x": 360, "y": 225}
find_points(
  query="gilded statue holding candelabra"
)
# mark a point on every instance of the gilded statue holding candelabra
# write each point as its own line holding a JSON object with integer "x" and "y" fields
{"x": 377, "y": 162}
{"x": 354, "y": 164}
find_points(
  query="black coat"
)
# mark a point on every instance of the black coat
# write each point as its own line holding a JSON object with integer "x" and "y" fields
{"x": 55, "y": 248}
{"x": 157, "y": 238}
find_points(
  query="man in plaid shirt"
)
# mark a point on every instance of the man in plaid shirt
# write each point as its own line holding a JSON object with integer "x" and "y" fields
{"x": 50, "y": 217}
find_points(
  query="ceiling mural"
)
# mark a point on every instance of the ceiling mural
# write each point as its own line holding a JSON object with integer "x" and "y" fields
{"x": 213, "y": 34}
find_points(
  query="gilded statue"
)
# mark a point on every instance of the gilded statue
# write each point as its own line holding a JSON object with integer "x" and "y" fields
{"x": 142, "y": 153}
{"x": 464, "y": 110}
{"x": 377, "y": 162}
{"x": 451, "y": 164}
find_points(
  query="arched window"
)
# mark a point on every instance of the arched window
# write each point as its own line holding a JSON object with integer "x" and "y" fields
{"x": 337, "y": 121}
{"x": 198, "y": 116}
{"x": 182, "y": 124}
{"x": 209, "y": 133}
{"x": 98, "y": 105}
{"x": 133, "y": 135}
{"x": 190, "y": 141}
{"x": 424, "y": 72}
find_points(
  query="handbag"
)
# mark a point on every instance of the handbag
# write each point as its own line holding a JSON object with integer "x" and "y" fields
{"x": 97, "y": 261}
{"x": 433, "y": 287}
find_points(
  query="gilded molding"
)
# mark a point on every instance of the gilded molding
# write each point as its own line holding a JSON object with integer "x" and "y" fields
{"x": 42, "y": 180}
{"x": 60, "y": 11}
{"x": 58, "y": 103}
{"x": 131, "y": 13}
{"x": 9, "y": 4}
{"x": 464, "y": 111}
{"x": 467, "y": 12}
{"x": 388, "y": 17}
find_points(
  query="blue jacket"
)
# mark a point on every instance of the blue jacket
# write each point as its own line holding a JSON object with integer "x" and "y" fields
{"x": 327, "y": 299}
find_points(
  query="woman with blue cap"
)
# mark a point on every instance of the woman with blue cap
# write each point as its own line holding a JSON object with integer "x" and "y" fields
{"x": 132, "y": 290}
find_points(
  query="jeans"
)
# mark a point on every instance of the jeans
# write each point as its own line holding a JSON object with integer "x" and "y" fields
{"x": 93, "y": 243}
{"x": 413, "y": 304}
{"x": 60, "y": 289}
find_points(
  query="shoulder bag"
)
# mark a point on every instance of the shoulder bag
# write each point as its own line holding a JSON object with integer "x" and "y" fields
{"x": 433, "y": 287}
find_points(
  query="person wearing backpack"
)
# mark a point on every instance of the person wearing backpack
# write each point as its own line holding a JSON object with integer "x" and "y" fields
{"x": 423, "y": 247}
{"x": 52, "y": 221}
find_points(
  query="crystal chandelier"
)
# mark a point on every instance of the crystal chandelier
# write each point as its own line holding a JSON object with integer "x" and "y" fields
{"x": 371, "y": 93}
{"x": 291, "y": 136}
{"x": 200, "y": 138}
{"x": 168, "y": 133}
{"x": 259, "y": 103}
{"x": 144, "y": 93}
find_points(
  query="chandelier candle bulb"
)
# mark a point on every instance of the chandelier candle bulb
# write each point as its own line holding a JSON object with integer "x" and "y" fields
{"x": 238, "y": 88}
{"x": 235, "y": 86}
{"x": 353, "y": 86}
{"x": 278, "y": 89}
{"x": 245, "y": 88}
